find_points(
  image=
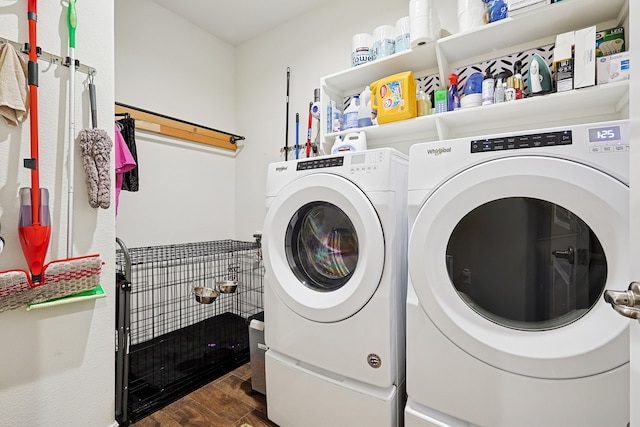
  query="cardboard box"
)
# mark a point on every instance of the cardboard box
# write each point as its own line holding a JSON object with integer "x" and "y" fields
{"x": 613, "y": 68}
{"x": 610, "y": 42}
{"x": 563, "y": 61}
{"x": 584, "y": 64}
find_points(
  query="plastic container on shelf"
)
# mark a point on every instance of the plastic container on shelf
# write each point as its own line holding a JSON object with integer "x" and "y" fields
{"x": 423, "y": 104}
{"x": 356, "y": 141}
{"x": 394, "y": 97}
{"x": 350, "y": 116}
{"x": 364, "y": 110}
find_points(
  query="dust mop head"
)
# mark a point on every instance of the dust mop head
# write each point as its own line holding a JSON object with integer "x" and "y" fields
{"x": 60, "y": 278}
{"x": 95, "y": 146}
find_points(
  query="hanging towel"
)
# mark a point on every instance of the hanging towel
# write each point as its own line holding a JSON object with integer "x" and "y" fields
{"x": 130, "y": 179}
{"x": 124, "y": 162}
{"x": 14, "y": 86}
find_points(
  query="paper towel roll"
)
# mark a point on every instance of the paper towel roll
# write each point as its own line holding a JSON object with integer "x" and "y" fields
{"x": 471, "y": 14}
{"x": 361, "y": 49}
{"x": 384, "y": 41}
{"x": 403, "y": 34}
{"x": 424, "y": 23}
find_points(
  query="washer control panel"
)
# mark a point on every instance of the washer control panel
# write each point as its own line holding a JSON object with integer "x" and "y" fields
{"x": 516, "y": 142}
{"x": 320, "y": 162}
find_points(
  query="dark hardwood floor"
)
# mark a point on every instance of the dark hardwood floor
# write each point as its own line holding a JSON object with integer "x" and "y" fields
{"x": 225, "y": 402}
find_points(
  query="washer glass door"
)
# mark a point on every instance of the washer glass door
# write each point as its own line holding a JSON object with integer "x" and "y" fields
{"x": 322, "y": 246}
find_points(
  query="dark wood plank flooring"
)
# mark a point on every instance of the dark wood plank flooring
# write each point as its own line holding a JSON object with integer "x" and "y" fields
{"x": 225, "y": 402}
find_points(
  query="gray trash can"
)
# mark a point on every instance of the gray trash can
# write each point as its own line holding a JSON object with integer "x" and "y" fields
{"x": 257, "y": 349}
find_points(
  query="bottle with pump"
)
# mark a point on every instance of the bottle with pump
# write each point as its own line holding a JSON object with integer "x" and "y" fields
{"x": 364, "y": 110}
{"x": 453, "y": 98}
{"x": 350, "y": 116}
{"x": 488, "y": 88}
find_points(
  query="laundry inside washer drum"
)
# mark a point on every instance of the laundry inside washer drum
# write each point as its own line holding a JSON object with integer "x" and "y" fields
{"x": 323, "y": 246}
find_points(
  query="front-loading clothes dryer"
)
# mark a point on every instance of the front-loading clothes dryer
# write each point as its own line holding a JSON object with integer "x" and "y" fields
{"x": 334, "y": 245}
{"x": 513, "y": 239}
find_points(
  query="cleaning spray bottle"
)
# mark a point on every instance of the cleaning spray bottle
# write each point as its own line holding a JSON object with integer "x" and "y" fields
{"x": 453, "y": 98}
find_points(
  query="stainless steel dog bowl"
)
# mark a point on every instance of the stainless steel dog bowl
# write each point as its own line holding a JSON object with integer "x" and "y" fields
{"x": 227, "y": 286}
{"x": 205, "y": 295}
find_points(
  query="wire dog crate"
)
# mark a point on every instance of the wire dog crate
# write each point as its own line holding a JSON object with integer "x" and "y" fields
{"x": 168, "y": 344}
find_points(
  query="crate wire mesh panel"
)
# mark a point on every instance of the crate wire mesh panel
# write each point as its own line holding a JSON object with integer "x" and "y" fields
{"x": 177, "y": 344}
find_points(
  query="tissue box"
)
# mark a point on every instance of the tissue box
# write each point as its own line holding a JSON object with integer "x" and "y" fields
{"x": 613, "y": 68}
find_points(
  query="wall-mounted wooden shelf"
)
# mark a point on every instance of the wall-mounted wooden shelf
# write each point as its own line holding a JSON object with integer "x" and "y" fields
{"x": 169, "y": 126}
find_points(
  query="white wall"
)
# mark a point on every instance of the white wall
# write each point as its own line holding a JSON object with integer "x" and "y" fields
{"x": 314, "y": 45}
{"x": 57, "y": 364}
{"x": 166, "y": 65}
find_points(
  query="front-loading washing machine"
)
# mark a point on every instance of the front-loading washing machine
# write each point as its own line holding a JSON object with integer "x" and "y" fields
{"x": 334, "y": 246}
{"x": 513, "y": 239}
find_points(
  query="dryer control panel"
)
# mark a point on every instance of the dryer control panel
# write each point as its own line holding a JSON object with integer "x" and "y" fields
{"x": 606, "y": 139}
{"x": 534, "y": 140}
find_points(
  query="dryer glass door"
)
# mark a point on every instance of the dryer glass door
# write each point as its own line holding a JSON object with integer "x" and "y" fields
{"x": 509, "y": 258}
{"x": 526, "y": 263}
{"x": 322, "y": 246}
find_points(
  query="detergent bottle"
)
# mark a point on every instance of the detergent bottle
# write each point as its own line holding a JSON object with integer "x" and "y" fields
{"x": 350, "y": 116}
{"x": 364, "y": 110}
{"x": 356, "y": 141}
{"x": 394, "y": 97}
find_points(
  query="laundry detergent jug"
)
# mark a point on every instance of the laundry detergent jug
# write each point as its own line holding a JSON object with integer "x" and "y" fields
{"x": 394, "y": 97}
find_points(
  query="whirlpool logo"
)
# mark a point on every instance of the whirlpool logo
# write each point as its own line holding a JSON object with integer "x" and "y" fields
{"x": 438, "y": 151}
{"x": 281, "y": 168}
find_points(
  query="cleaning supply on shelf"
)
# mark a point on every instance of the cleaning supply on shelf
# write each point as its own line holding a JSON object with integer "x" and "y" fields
{"x": 471, "y": 95}
{"x": 453, "y": 98}
{"x": 356, "y": 141}
{"x": 496, "y": 10}
{"x": 361, "y": 49}
{"x": 488, "y": 88}
{"x": 423, "y": 104}
{"x": 350, "y": 117}
{"x": 517, "y": 79}
{"x": 364, "y": 110}
{"x": 510, "y": 91}
{"x": 336, "y": 122}
{"x": 394, "y": 97}
{"x": 499, "y": 93}
{"x": 440, "y": 100}
{"x": 384, "y": 41}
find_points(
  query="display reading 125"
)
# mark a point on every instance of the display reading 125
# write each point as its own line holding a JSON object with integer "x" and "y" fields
{"x": 610, "y": 133}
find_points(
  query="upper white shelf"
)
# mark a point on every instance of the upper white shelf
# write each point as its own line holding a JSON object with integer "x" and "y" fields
{"x": 458, "y": 49}
{"x": 421, "y": 58}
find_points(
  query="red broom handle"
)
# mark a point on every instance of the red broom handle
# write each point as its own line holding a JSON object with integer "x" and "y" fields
{"x": 32, "y": 16}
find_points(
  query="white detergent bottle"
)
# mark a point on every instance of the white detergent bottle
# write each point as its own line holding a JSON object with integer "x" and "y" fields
{"x": 364, "y": 111}
{"x": 356, "y": 141}
{"x": 350, "y": 116}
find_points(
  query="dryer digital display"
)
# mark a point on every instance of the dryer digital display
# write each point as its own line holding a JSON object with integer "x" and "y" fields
{"x": 604, "y": 134}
